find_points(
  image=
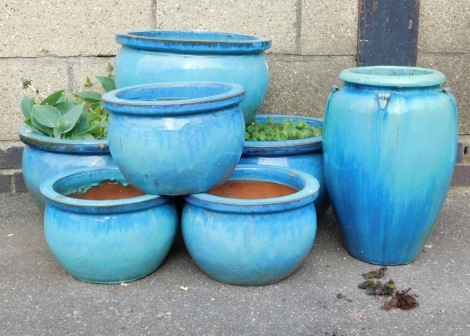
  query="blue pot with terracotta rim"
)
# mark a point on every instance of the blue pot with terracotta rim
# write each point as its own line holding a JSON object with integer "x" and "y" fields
{"x": 158, "y": 56}
{"x": 252, "y": 241}
{"x": 303, "y": 154}
{"x": 45, "y": 157}
{"x": 106, "y": 241}
{"x": 390, "y": 145}
{"x": 176, "y": 138}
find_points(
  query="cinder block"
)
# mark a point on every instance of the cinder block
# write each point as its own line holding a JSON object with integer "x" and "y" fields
{"x": 463, "y": 152}
{"x": 444, "y": 26}
{"x": 10, "y": 157}
{"x": 20, "y": 186}
{"x": 300, "y": 85}
{"x": 274, "y": 19}
{"x": 68, "y": 28}
{"x": 46, "y": 74}
{"x": 89, "y": 67}
{"x": 457, "y": 71}
{"x": 329, "y": 27}
{"x": 5, "y": 183}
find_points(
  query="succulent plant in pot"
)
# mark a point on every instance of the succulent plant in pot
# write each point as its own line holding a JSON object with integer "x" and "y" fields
{"x": 62, "y": 133}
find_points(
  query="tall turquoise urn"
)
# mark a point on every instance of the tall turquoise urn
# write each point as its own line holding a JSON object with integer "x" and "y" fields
{"x": 158, "y": 56}
{"x": 390, "y": 145}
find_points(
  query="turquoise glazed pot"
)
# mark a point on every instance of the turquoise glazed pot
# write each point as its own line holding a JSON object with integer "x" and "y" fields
{"x": 44, "y": 157}
{"x": 176, "y": 138}
{"x": 106, "y": 241}
{"x": 390, "y": 143}
{"x": 254, "y": 241}
{"x": 157, "y": 56}
{"x": 304, "y": 154}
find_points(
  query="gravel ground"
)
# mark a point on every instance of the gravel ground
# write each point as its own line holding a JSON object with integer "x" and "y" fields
{"x": 321, "y": 298}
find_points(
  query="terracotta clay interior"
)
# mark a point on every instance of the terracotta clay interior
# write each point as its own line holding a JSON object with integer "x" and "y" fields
{"x": 249, "y": 189}
{"x": 108, "y": 190}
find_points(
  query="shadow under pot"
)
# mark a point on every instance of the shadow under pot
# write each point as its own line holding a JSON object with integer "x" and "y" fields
{"x": 159, "y": 56}
{"x": 102, "y": 230}
{"x": 302, "y": 154}
{"x": 256, "y": 229}
{"x": 176, "y": 138}
{"x": 45, "y": 157}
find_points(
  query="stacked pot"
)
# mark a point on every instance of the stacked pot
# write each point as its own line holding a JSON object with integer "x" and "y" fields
{"x": 176, "y": 131}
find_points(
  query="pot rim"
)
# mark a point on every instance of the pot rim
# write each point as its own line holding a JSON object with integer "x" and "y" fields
{"x": 33, "y": 139}
{"x": 70, "y": 179}
{"x": 193, "y": 41}
{"x": 127, "y": 100}
{"x": 301, "y": 146}
{"x": 393, "y": 76}
{"x": 307, "y": 185}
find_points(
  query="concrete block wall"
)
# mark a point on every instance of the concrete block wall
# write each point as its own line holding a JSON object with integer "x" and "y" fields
{"x": 57, "y": 44}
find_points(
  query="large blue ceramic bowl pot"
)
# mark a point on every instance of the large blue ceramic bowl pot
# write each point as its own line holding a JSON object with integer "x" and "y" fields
{"x": 106, "y": 241}
{"x": 176, "y": 138}
{"x": 252, "y": 241}
{"x": 157, "y": 56}
{"x": 45, "y": 157}
{"x": 304, "y": 154}
{"x": 390, "y": 144}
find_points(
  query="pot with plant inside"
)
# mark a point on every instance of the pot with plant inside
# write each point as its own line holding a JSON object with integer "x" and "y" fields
{"x": 62, "y": 133}
{"x": 288, "y": 141}
{"x": 103, "y": 230}
{"x": 255, "y": 229}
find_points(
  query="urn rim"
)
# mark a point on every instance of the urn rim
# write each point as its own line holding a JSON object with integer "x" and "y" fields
{"x": 393, "y": 76}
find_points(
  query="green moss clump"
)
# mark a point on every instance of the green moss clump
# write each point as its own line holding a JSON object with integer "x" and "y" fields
{"x": 286, "y": 130}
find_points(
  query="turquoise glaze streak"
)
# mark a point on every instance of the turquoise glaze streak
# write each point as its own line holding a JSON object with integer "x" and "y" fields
{"x": 176, "y": 138}
{"x": 45, "y": 157}
{"x": 390, "y": 143}
{"x": 111, "y": 241}
{"x": 157, "y": 56}
{"x": 304, "y": 154}
{"x": 252, "y": 242}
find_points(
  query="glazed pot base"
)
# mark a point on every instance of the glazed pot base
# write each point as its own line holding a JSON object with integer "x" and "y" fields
{"x": 117, "y": 282}
{"x": 381, "y": 262}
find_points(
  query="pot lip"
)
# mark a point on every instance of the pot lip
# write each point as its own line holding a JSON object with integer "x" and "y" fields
{"x": 70, "y": 204}
{"x": 31, "y": 138}
{"x": 393, "y": 76}
{"x": 307, "y": 194}
{"x": 114, "y": 102}
{"x": 194, "y": 41}
{"x": 252, "y": 148}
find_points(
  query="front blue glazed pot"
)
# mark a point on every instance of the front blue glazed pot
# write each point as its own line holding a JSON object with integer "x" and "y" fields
{"x": 254, "y": 241}
{"x": 110, "y": 241}
{"x": 304, "y": 154}
{"x": 390, "y": 144}
{"x": 45, "y": 157}
{"x": 176, "y": 138}
{"x": 158, "y": 56}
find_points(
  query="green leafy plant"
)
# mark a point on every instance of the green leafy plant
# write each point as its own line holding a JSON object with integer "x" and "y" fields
{"x": 286, "y": 130}
{"x": 80, "y": 117}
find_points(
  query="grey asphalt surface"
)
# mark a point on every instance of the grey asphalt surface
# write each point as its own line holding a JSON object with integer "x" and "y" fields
{"x": 38, "y": 297}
